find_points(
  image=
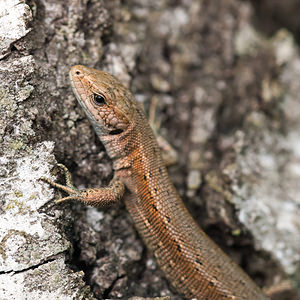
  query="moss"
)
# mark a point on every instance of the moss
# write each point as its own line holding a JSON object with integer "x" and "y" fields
{"x": 236, "y": 232}
{"x": 216, "y": 184}
{"x": 18, "y": 193}
{"x": 14, "y": 203}
{"x": 17, "y": 145}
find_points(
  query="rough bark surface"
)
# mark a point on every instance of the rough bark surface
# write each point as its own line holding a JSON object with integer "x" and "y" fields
{"x": 226, "y": 97}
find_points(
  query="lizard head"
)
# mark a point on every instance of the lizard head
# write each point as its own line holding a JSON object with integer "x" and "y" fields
{"x": 108, "y": 104}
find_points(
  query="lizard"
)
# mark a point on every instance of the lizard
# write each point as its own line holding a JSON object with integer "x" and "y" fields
{"x": 190, "y": 260}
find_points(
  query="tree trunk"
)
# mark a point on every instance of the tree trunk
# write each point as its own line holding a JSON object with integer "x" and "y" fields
{"x": 225, "y": 96}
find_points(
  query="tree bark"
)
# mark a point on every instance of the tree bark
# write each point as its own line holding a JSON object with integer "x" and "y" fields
{"x": 225, "y": 96}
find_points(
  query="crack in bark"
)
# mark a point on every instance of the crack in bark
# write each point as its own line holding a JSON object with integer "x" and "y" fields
{"x": 49, "y": 260}
{"x": 110, "y": 288}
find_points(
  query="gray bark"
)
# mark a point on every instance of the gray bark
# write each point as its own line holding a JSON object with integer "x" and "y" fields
{"x": 227, "y": 98}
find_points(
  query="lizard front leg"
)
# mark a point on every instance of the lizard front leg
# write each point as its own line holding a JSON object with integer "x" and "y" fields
{"x": 96, "y": 197}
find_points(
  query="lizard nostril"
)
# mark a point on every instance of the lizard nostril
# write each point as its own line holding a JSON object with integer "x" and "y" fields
{"x": 116, "y": 131}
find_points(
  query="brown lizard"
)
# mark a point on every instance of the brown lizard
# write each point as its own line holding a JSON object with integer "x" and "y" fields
{"x": 191, "y": 261}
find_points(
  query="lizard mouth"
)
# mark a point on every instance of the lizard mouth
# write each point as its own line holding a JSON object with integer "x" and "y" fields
{"x": 76, "y": 83}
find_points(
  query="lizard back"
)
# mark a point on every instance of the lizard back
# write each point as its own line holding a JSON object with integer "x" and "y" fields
{"x": 191, "y": 261}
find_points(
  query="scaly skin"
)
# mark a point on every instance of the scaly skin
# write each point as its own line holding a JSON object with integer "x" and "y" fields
{"x": 192, "y": 262}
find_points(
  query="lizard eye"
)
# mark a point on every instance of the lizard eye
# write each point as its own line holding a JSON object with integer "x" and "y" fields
{"x": 99, "y": 99}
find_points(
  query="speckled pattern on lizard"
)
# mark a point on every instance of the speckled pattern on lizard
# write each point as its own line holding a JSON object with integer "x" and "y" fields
{"x": 191, "y": 261}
